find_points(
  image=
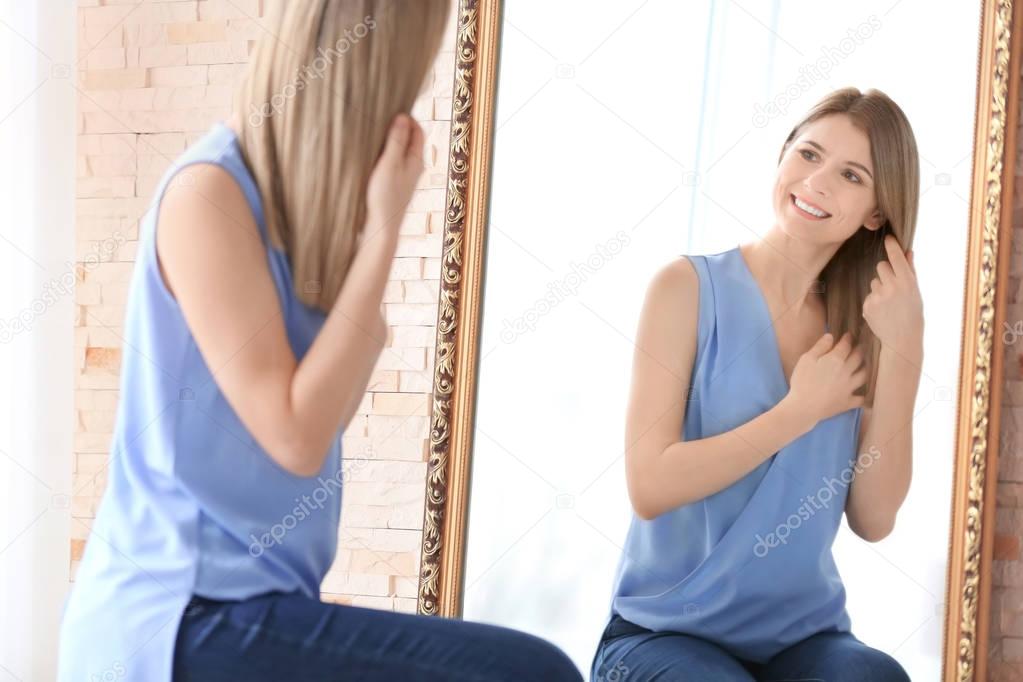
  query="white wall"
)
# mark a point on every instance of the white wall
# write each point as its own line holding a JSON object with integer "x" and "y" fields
{"x": 37, "y": 171}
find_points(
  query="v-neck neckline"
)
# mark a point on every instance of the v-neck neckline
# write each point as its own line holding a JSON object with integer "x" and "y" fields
{"x": 776, "y": 346}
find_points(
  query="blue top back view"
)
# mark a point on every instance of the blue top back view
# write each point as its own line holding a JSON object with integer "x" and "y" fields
{"x": 750, "y": 567}
{"x": 193, "y": 504}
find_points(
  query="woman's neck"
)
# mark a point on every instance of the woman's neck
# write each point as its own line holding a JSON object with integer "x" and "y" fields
{"x": 788, "y": 272}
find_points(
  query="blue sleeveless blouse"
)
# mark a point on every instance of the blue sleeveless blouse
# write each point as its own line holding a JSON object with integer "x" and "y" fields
{"x": 193, "y": 504}
{"x": 750, "y": 567}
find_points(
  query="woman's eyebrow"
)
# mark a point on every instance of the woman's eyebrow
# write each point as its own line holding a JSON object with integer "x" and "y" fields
{"x": 851, "y": 163}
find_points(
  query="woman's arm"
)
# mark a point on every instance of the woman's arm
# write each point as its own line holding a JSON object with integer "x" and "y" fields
{"x": 355, "y": 320}
{"x": 662, "y": 471}
{"x": 382, "y": 331}
{"x": 879, "y": 488}
{"x": 214, "y": 263}
{"x": 894, "y": 311}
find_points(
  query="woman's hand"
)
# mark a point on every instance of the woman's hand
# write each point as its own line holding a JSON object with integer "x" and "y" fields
{"x": 394, "y": 177}
{"x": 825, "y": 377}
{"x": 894, "y": 308}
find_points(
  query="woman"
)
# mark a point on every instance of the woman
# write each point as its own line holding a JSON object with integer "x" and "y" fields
{"x": 254, "y": 322}
{"x": 727, "y": 572}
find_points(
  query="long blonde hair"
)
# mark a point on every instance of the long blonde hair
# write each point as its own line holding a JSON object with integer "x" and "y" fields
{"x": 315, "y": 105}
{"x": 893, "y": 151}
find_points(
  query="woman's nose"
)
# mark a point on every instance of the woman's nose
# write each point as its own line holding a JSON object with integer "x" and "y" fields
{"x": 816, "y": 183}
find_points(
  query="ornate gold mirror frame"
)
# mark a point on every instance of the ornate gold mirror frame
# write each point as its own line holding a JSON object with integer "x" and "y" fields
{"x": 971, "y": 543}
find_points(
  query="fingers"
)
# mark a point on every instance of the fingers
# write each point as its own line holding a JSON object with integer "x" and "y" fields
{"x": 822, "y": 346}
{"x": 885, "y": 272}
{"x": 896, "y": 257}
{"x": 415, "y": 145}
{"x": 854, "y": 360}
{"x": 398, "y": 136}
{"x": 843, "y": 347}
{"x": 411, "y": 151}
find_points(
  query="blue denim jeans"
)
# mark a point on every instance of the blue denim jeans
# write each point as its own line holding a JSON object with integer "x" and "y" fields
{"x": 629, "y": 653}
{"x": 292, "y": 637}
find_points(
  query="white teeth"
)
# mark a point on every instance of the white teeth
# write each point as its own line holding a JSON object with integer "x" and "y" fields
{"x": 809, "y": 209}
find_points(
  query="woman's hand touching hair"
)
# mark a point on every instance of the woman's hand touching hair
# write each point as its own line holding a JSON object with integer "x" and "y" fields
{"x": 394, "y": 178}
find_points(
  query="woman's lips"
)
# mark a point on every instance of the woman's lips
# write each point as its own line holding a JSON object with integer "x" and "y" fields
{"x": 808, "y": 216}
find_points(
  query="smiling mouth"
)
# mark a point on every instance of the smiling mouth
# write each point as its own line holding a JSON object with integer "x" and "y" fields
{"x": 807, "y": 214}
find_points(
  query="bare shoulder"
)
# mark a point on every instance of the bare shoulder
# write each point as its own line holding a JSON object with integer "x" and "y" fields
{"x": 674, "y": 292}
{"x": 213, "y": 262}
{"x": 204, "y": 216}
{"x": 208, "y": 190}
{"x": 668, "y": 331}
{"x": 676, "y": 279}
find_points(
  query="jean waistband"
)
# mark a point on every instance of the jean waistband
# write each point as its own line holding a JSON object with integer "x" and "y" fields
{"x": 197, "y": 602}
{"x": 619, "y": 627}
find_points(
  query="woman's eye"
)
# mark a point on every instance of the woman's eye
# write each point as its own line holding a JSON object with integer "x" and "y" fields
{"x": 806, "y": 152}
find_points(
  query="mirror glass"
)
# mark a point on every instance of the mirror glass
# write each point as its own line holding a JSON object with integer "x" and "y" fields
{"x": 627, "y": 134}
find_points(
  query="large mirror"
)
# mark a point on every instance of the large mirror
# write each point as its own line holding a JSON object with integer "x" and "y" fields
{"x": 592, "y": 145}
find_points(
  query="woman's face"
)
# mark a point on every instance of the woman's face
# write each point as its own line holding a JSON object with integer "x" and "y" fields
{"x": 829, "y": 166}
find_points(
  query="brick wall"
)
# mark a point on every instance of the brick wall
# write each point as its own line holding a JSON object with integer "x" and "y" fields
{"x": 1006, "y": 635}
{"x": 153, "y": 76}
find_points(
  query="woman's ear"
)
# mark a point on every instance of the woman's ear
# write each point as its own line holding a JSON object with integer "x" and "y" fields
{"x": 875, "y": 221}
